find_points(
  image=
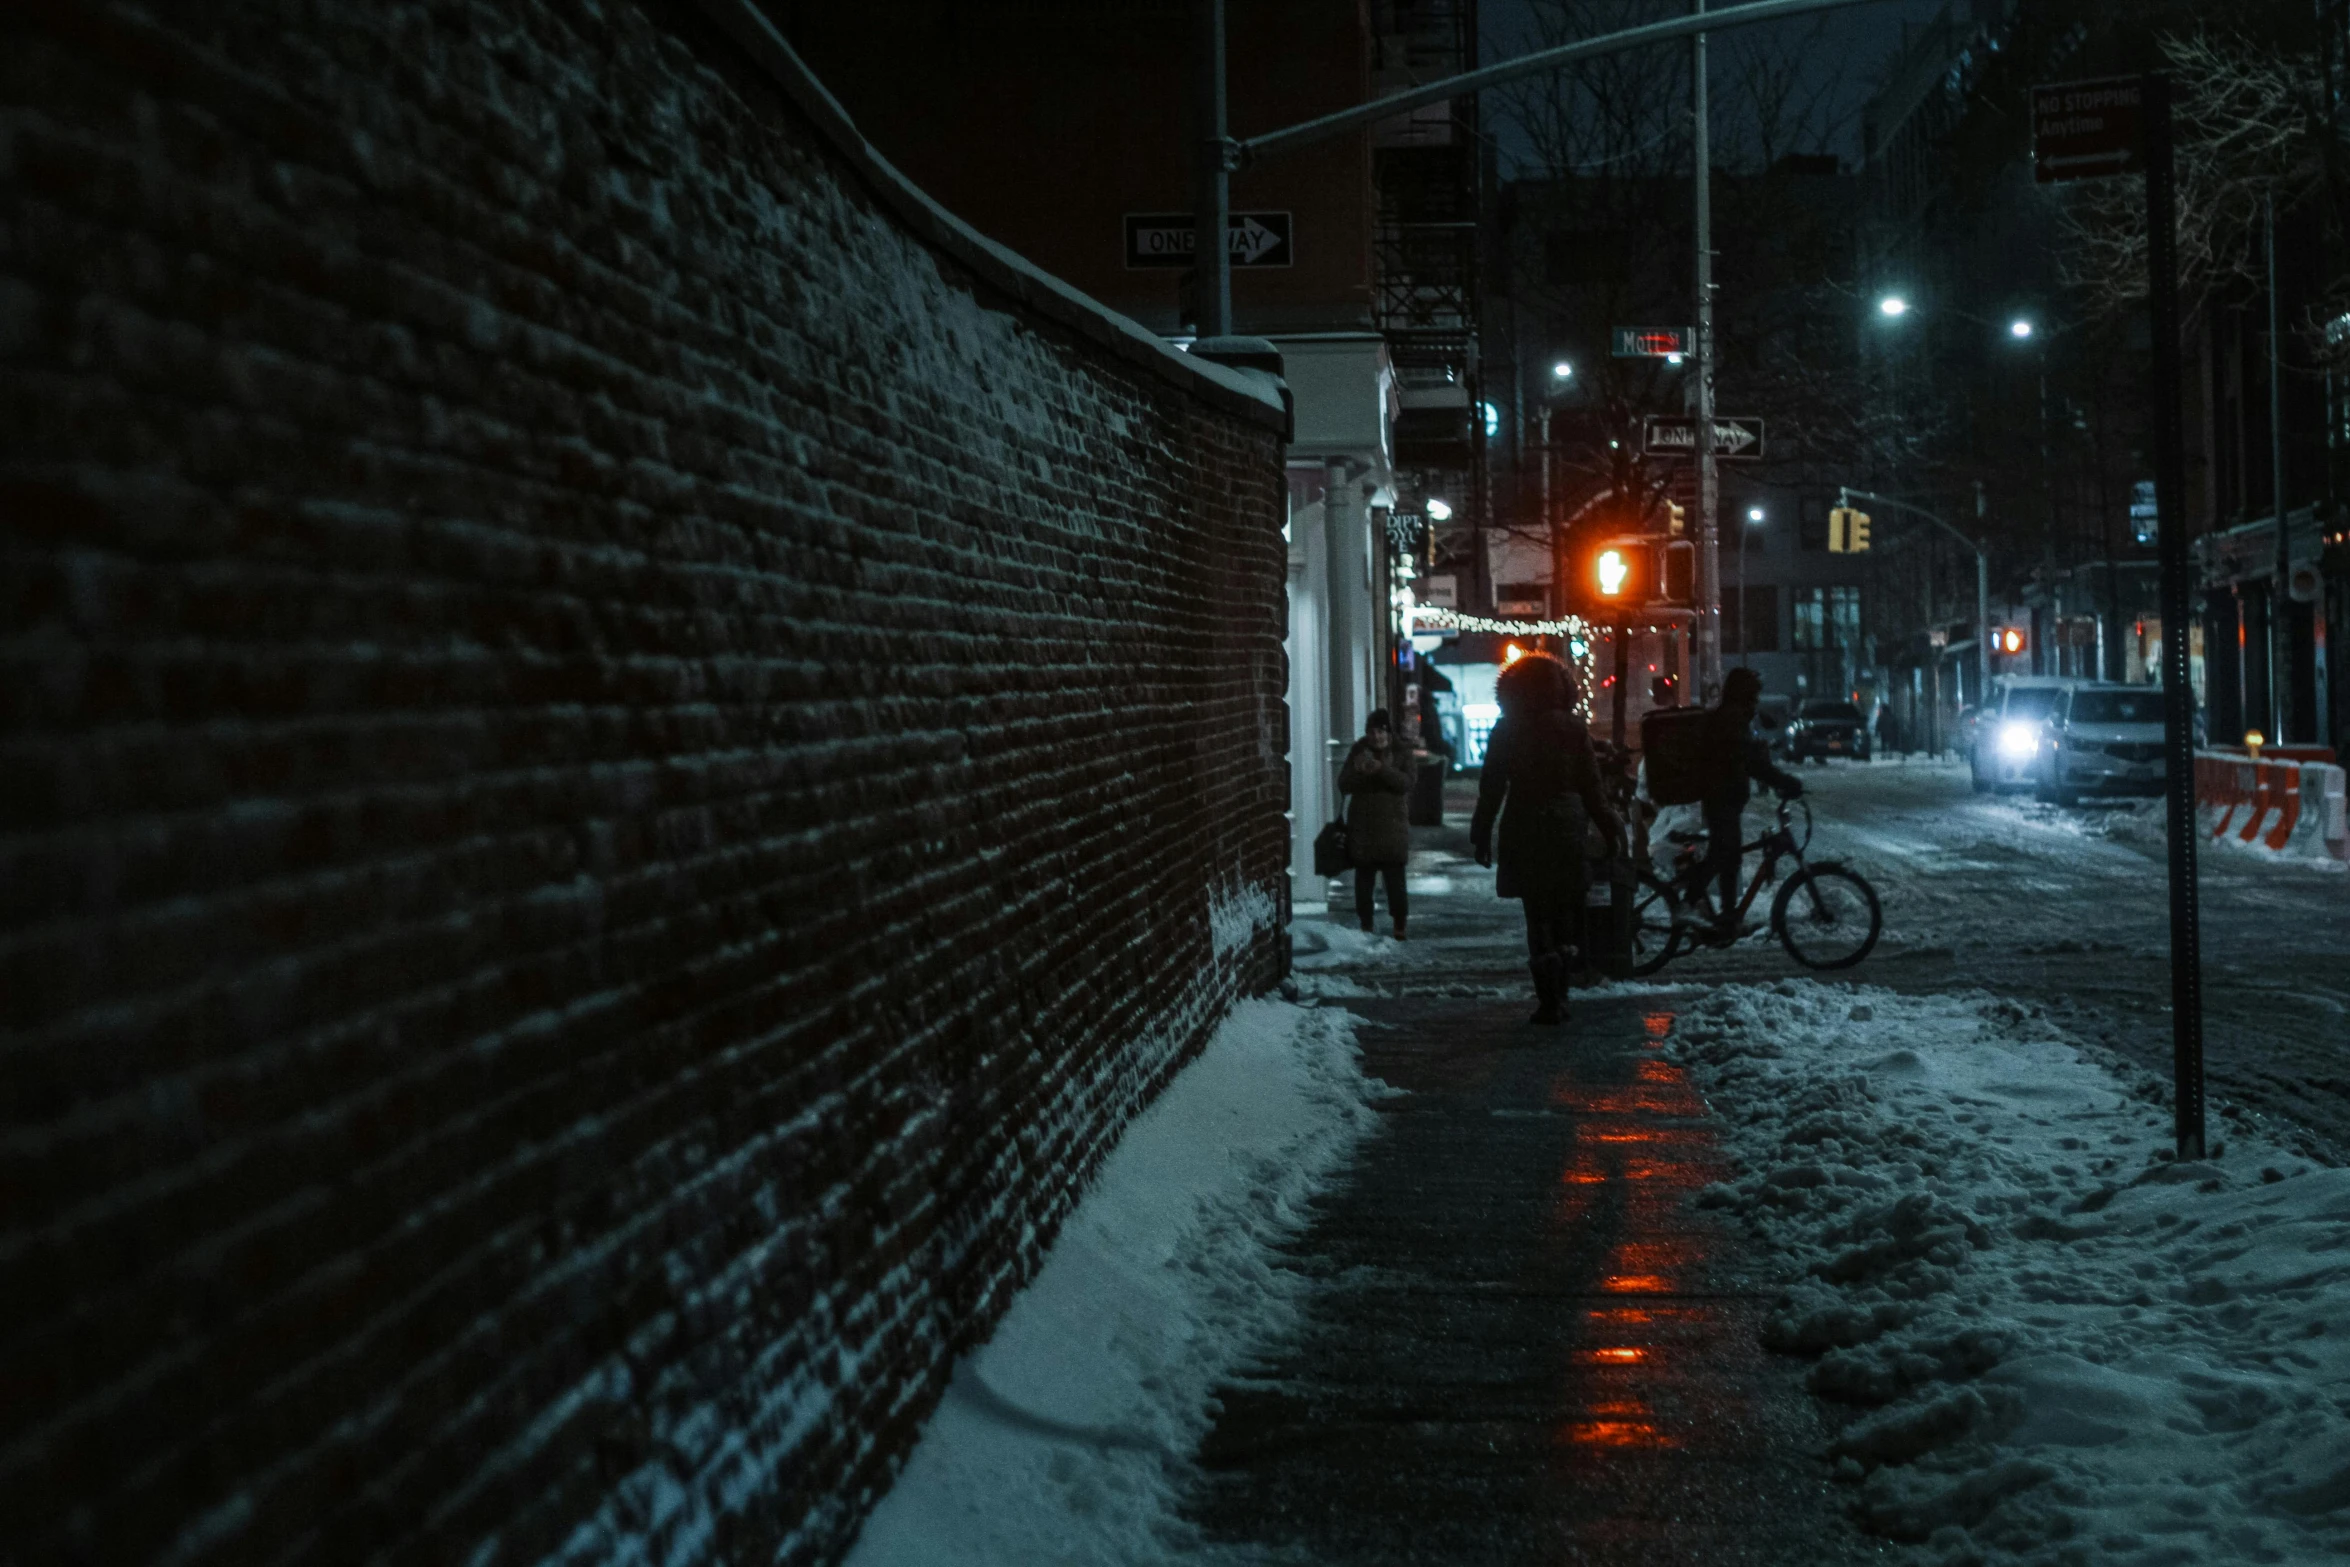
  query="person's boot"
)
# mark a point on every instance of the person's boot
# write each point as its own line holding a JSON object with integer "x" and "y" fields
{"x": 1550, "y": 976}
{"x": 1399, "y": 919}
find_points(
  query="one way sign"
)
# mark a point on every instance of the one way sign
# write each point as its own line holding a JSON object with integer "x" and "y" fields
{"x": 1166, "y": 239}
{"x": 1672, "y": 436}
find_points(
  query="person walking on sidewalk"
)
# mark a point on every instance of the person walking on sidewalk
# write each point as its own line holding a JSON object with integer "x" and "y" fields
{"x": 1736, "y": 758}
{"x": 1542, "y": 781}
{"x": 1377, "y": 778}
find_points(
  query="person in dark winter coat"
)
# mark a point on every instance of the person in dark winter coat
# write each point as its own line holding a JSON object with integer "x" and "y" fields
{"x": 1736, "y": 758}
{"x": 1541, "y": 780}
{"x": 1377, "y": 779}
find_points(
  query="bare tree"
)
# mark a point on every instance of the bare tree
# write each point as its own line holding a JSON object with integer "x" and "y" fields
{"x": 2250, "y": 128}
{"x": 1612, "y": 139}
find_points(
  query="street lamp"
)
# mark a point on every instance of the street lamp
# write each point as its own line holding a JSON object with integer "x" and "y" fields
{"x": 1754, "y": 517}
{"x": 1563, "y": 371}
{"x": 1439, "y": 509}
{"x": 2019, "y": 329}
{"x": 1892, "y": 305}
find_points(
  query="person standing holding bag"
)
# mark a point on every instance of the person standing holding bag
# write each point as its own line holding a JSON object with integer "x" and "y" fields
{"x": 1542, "y": 781}
{"x": 1377, "y": 781}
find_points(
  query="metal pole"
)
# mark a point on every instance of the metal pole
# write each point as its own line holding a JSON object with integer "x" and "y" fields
{"x": 1211, "y": 256}
{"x": 1623, "y": 676}
{"x": 1709, "y": 561}
{"x": 1742, "y": 532}
{"x": 1982, "y": 600}
{"x": 1983, "y": 622}
{"x": 2178, "y": 699}
{"x": 2280, "y": 635}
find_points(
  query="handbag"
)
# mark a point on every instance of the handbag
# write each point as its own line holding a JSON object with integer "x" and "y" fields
{"x": 1331, "y": 854}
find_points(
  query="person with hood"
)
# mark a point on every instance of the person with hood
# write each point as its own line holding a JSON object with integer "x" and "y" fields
{"x": 1377, "y": 778}
{"x": 1735, "y": 759}
{"x": 1541, "y": 780}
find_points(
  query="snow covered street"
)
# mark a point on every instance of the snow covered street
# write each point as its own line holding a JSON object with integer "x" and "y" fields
{"x": 2065, "y": 907}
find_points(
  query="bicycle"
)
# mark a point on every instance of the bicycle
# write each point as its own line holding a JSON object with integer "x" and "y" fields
{"x": 1826, "y": 915}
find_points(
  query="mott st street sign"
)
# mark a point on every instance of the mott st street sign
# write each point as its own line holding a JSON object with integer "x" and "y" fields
{"x": 1166, "y": 239}
{"x": 2082, "y": 130}
{"x": 1654, "y": 342}
{"x": 1740, "y": 440}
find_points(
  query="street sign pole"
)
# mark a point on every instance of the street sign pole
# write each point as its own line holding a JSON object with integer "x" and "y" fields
{"x": 2178, "y": 698}
{"x": 1709, "y": 560}
{"x": 1212, "y": 249}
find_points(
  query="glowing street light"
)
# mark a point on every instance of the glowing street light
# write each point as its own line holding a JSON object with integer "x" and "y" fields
{"x": 1893, "y": 305}
{"x": 1438, "y": 508}
{"x": 2019, "y": 329}
{"x": 1563, "y": 370}
{"x": 1754, "y": 514}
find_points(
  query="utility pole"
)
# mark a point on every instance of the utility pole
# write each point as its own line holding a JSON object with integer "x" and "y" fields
{"x": 1709, "y": 562}
{"x": 2280, "y": 630}
{"x": 1211, "y": 258}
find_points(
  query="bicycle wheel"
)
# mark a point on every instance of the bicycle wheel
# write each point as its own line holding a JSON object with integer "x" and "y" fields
{"x": 1827, "y": 917}
{"x": 1656, "y": 931}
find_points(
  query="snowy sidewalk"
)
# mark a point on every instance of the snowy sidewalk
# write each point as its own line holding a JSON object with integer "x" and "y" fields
{"x": 2052, "y": 1344}
{"x": 1521, "y": 1343}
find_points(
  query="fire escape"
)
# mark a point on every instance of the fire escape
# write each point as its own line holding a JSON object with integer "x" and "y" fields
{"x": 1427, "y": 166}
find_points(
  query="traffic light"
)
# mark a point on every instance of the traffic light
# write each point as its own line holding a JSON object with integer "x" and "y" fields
{"x": 2009, "y": 640}
{"x": 1680, "y": 572}
{"x": 1608, "y": 576}
{"x": 1848, "y": 530}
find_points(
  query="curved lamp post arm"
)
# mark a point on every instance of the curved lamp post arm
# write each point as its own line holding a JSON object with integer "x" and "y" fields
{"x": 1531, "y": 65}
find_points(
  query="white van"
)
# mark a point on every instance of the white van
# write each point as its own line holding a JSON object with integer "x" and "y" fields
{"x": 2006, "y": 752}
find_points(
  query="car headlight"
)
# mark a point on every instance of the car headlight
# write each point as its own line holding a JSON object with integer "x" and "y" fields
{"x": 2017, "y": 740}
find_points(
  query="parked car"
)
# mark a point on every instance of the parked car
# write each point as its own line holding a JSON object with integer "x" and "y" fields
{"x": 2101, "y": 739}
{"x": 1823, "y": 729}
{"x": 2005, "y": 753}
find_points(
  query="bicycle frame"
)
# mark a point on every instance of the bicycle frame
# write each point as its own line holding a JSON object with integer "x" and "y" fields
{"x": 1778, "y": 841}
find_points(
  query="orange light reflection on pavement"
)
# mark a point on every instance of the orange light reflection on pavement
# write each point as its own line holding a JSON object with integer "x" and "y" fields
{"x": 1658, "y": 1024}
{"x": 1615, "y": 1433}
{"x": 1618, "y": 1355}
{"x": 1636, "y": 1284}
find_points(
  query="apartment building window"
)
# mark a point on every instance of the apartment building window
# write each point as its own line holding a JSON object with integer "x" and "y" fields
{"x": 1826, "y": 618}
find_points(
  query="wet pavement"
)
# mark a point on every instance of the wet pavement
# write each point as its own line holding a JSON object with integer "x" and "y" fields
{"x": 1522, "y": 1344}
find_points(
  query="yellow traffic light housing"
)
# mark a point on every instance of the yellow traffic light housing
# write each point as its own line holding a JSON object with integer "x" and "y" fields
{"x": 1848, "y": 531}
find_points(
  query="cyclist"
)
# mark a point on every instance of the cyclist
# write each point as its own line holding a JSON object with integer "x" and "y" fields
{"x": 1735, "y": 758}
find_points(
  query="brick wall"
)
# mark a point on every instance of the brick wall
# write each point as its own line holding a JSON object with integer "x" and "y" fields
{"x": 623, "y": 754}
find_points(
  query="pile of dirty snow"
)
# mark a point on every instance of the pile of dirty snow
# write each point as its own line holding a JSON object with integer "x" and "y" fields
{"x": 1062, "y": 1439}
{"x": 2048, "y": 1343}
